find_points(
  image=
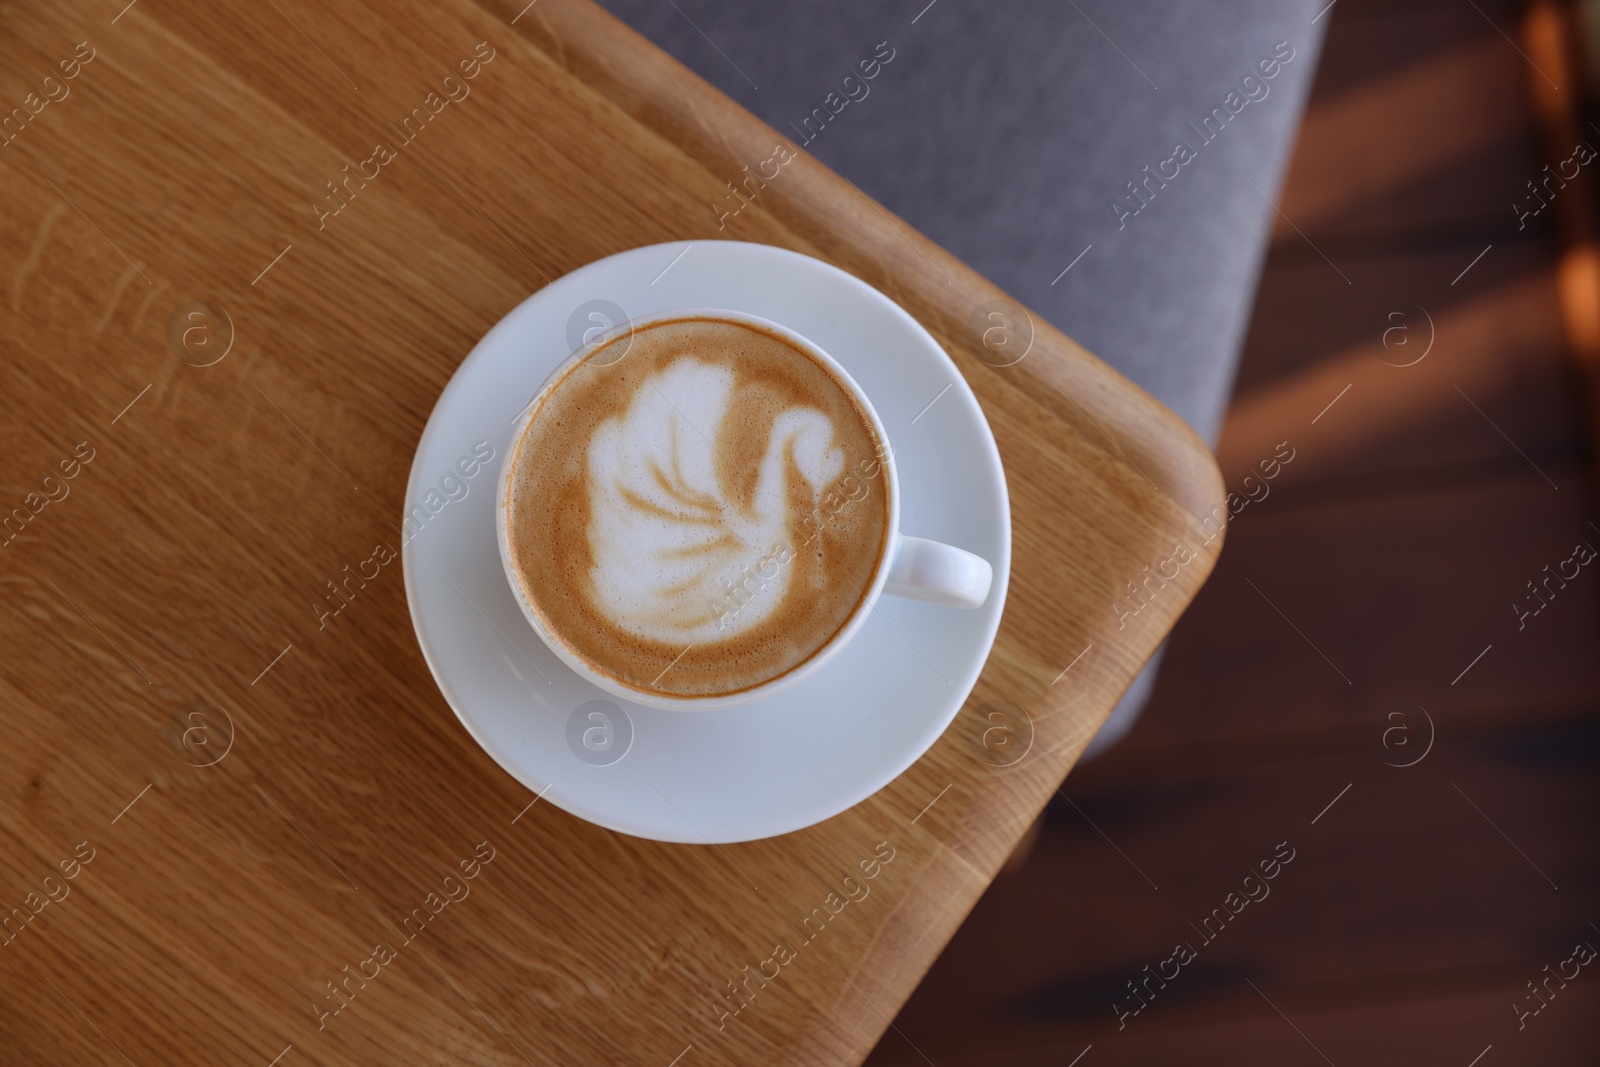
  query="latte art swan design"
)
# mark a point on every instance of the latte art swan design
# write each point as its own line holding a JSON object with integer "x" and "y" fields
{"x": 667, "y": 539}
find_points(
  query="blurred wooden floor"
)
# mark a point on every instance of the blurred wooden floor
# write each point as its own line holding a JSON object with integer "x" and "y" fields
{"x": 1360, "y": 589}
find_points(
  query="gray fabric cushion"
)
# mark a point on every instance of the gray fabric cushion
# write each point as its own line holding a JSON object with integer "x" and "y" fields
{"x": 1008, "y": 133}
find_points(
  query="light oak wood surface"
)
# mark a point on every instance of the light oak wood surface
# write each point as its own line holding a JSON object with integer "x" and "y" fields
{"x": 178, "y": 524}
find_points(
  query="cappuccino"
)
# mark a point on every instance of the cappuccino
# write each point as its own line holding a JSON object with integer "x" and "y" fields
{"x": 699, "y": 514}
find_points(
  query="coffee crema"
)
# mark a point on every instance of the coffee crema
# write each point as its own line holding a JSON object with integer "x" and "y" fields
{"x": 700, "y": 515}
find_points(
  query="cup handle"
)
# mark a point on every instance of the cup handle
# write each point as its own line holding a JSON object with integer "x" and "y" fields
{"x": 937, "y": 573}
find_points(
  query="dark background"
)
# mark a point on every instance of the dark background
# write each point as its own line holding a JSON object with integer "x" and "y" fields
{"x": 1397, "y": 540}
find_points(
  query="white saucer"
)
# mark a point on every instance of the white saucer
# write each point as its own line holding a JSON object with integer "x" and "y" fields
{"x": 767, "y": 768}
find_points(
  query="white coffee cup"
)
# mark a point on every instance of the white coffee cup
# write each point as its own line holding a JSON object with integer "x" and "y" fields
{"x": 910, "y": 567}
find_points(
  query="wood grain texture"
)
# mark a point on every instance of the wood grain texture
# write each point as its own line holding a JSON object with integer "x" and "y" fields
{"x": 167, "y": 595}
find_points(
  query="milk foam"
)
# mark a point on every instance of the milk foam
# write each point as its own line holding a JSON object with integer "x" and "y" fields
{"x": 700, "y": 514}
{"x": 670, "y": 547}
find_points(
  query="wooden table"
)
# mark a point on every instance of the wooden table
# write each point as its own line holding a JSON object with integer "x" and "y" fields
{"x": 222, "y": 822}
